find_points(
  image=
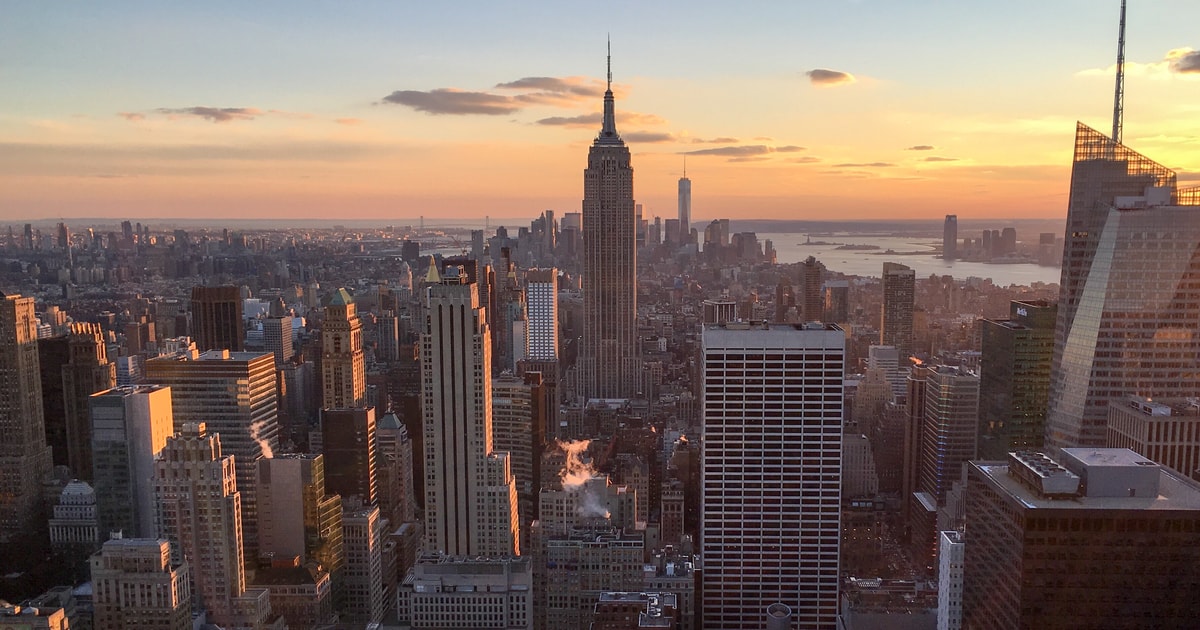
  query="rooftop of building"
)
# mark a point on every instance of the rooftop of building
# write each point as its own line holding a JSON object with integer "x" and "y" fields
{"x": 1164, "y": 408}
{"x": 1091, "y": 479}
{"x": 657, "y": 605}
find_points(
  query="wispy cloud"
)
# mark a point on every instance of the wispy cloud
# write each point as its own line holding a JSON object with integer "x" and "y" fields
{"x": 744, "y": 150}
{"x": 454, "y": 102}
{"x": 1178, "y": 61}
{"x": 936, "y": 158}
{"x": 748, "y": 158}
{"x": 718, "y": 140}
{"x": 132, "y": 116}
{"x": 864, "y": 165}
{"x": 213, "y": 114}
{"x": 648, "y": 136}
{"x": 807, "y": 159}
{"x": 822, "y": 77}
{"x": 1184, "y": 60}
{"x": 594, "y": 119}
{"x": 581, "y": 86}
{"x": 348, "y": 121}
{"x": 921, "y": 147}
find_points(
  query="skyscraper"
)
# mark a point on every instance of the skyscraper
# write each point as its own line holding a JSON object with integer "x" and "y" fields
{"x": 947, "y": 442}
{"x": 950, "y": 237}
{"x": 1128, "y": 315}
{"x": 87, "y": 371}
{"x": 235, "y": 395}
{"x": 812, "y": 302}
{"x": 470, "y": 494}
{"x": 343, "y": 372}
{"x": 899, "y": 285}
{"x": 138, "y": 585}
{"x": 130, "y": 427}
{"x": 541, "y": 305}
{"x": 349, "y": 444}
{"x": 1097, "y": 538}
{"x": 1014, "y": 377}
{"x": 217, "y": 318}
{"x": 299, "y": 516}
{"x": 200, "y": 513}
{"x": 277, "y": 337}
{"x": 770, "y": 520}
{"x": 25, "y": 458}
{"x": 685, "y": 208}
{"x": 608, "y": 357}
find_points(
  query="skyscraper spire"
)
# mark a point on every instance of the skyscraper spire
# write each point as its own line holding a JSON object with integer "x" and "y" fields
{"x": 1119, "y": 96}
{"x": 608, "y": 133}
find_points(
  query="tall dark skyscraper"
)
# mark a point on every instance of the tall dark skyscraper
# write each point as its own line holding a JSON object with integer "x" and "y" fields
{"x": 609, "y": 355}
{"x": 1129, "y": 305}
{"x": 1015, "y": 379}
{"x": 899, "y": 292}
{"x": 950, "y": 237}
{"x": 685, "y": 207}
{"x": 217, "y": 318}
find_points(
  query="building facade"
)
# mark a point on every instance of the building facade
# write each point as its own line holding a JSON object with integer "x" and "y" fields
{"x": 1127, "y": 309}
{"x": 609, "y": 356}
{"x": 1014, "y": 378}
{"x": 235, "y": 395}
{"x": 470, "y": 493}
{"x": 771, "y": 472}
{"x": 899, "y": 286}
{"x": 136, "y": 584}
{"x": 25, "y": 458}
{"x": 87, "y": 371}
{"x": 343, "y": 371}
{"x": 1099, "y": 538}
{"x": 130, "y": 427}
{"x": 217, "y": 318}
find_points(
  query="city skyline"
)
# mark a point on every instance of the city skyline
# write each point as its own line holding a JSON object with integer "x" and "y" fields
{"x": 434, "y": 111}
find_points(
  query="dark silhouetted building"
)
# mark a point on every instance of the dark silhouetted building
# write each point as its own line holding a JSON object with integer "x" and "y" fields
{"x": 1014, "y": 379}
{"x": 217, "y": 318}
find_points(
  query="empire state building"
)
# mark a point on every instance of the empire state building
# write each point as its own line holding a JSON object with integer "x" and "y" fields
{"x": 608, "y": 364}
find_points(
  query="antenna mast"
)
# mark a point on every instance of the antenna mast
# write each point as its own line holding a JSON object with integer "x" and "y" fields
{"x": 610, "y": 46}
{"x": 1119, "y": 96}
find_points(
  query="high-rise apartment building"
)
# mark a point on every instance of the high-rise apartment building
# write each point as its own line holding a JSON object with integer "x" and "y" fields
{"x": 812, "y": 302}
{"x": 541, "y": 304}
{"x": 950, "y": 580}
{"x": 200, "y": 514}
{"x": 518, "y": 423}
{"x": 362, "y": 541}
{"x": 277, "y": 337}
{"x": 387, "y": 332}
{"x": 137, "y": 584}
{"x": 899, "y": 286}
{"x": 1097, "y": 538}
{"x": 130, "y": 427}
{"x": 470, "y": 493}
{"x": 235, "y": 395}
{"x": 837, "y": 301}
{"x": 609, "y": 356}
{"x": 343, "y": 371}
{"x": 1128, "y": 307}
{"x": 299, "y": 516}
{"x": 217, "y": 318}
{"x": 25, "y": 458}
{"x": 685, "y": 209}
{"x": 770, "y": 519}
{"x": 948, "y": 435}
{"x": 1014, "y": 378}
{"x": 87, "y": 371}
{"x": 950, "y": 237}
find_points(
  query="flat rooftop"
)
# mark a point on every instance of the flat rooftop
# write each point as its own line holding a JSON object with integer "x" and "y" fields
{"x": 1174, "y": 493}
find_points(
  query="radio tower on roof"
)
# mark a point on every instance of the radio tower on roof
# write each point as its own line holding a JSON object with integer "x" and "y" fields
{"x": 1119, "y": 96}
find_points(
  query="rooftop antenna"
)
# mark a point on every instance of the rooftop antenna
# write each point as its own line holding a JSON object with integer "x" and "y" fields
{"x": 685, "y": 167}
{"x": 1119, "y": 96}
{"x": 609, "y": 36}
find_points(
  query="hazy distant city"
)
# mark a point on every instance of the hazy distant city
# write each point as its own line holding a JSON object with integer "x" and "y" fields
{"x": 612, "y": 415}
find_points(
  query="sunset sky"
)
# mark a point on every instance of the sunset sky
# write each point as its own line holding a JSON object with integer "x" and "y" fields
{"x": 391, "y": 110}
